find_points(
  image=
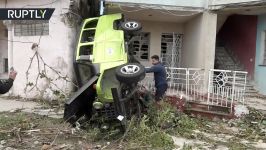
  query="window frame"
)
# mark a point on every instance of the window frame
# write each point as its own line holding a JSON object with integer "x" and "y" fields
{"x": 263, "y": 62}
{"x": 139, "y": 52}
{"x": 31, "y": 28}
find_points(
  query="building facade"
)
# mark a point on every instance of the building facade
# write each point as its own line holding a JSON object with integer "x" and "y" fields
{"x": 260, "y": 63}
{"x": 189, "y": 34}
{"x": 42, "y": 51}
{"x": 185, "y": 33}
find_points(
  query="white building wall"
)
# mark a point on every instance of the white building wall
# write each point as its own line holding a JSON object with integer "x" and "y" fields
{"x": 56, "y": 50}
{"x": 209, "y": 39}
{"x": 156, "y": 29}
{"x": 199, "y": 43}
{"x": 192, "y": 56}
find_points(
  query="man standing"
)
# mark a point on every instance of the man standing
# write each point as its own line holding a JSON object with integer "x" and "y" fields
{"x": 5, "y": 85}
{"x": 159, "y": 77}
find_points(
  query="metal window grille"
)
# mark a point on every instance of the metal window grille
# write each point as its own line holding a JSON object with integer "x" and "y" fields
{"x": 141, "y": 43}
{"x": 31, "y": 28}
{"x": 171, "y": 45}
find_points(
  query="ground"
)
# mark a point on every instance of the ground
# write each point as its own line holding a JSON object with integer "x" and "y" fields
{"x": 39, "y": 125}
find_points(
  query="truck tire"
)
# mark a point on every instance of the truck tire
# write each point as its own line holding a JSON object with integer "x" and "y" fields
{"x": 130, "y": 73}
{"x": 131, "y": 26}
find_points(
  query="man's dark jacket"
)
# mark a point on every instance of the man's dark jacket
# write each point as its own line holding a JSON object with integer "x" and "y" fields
{"x": 159, "y": 74}
{"x": 5, "y": 85}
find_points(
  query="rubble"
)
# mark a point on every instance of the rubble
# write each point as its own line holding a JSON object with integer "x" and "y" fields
{"x": 37, "y": 128}
{"x": 241, "y": 110}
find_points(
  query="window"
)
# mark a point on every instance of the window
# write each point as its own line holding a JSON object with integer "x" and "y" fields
{"x": 141, "y": 43}
{"x": 31, "y": 28}
{"x": 87, "y": 36}
{"x": 264, "y": 52}
{"x": 171, "y": 45}
{"x": 5, "y": 65}
{"x": 91, "y": 24}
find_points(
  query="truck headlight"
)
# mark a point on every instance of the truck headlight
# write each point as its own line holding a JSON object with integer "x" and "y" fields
{"x": 98, "y": 105}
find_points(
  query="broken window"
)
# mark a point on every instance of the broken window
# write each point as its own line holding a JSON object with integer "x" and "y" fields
{"x": 86, "y": 50}
{"x": 87, "y": 36}
{"x": 141, "y": 44}
{"x": 85, "y": 71}
{"x": 31, "y": 28}
{"x": 91, "y": 24}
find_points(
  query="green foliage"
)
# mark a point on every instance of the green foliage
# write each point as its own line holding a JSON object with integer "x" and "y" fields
{"x": 186, "y": 147}
{"x": 8, "y": 121}
{"x": 252, "y": 126}
{"x": 150, "y": 132}
{"x": 186, "y": 125}
{"x": 11, "y": 122}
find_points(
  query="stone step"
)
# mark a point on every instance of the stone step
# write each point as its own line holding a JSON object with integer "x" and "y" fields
{"x": 226, "y": 61}
{"x": 208, "y": 113}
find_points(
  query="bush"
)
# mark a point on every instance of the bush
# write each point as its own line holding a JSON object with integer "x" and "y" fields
{"x": 150, "y": 132}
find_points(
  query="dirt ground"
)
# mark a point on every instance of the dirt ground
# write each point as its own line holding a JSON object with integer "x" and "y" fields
{"x": 39, "y": 126}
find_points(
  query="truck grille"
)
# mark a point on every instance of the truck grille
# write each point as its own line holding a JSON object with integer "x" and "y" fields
{"x": 108, "y": 111}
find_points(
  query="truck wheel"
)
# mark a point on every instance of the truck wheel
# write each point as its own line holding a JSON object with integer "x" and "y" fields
{"x": 131, "y": 26}
{"x": 130, "y": 73}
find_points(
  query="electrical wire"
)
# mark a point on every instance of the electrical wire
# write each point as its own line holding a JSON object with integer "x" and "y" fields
{"x": 16, "y": 41}
{"x": 72, "y": 12}
{"x": 178, "y": 15}
{"x": 42, "y": 4}
{"x": 160, "y": 8}
{"x": 130, "y": 10}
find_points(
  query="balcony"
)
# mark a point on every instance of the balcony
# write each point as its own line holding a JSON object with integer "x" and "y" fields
{"x": 167, "y": 4}
{"x": 227, "y": 4}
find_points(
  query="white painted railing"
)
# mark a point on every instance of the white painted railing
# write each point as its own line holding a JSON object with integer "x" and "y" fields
{"x": 224, "y": 86}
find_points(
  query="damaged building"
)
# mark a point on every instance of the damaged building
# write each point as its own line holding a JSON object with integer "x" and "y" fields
{"x": 49, "y": 71}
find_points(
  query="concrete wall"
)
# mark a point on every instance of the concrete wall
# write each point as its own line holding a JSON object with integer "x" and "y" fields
{"x": 260, "y": 71}
{"x": 239, "y": 35}
{"x": 192, "y": 56}
{"x": 199, "y": 41}
{"x": 156, "y": 29}
{"x": 3, "y": 49}
{"x": 56, "y": 50}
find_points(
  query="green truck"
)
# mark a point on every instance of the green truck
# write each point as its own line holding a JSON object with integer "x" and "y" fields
{"x": 106, "y": 70}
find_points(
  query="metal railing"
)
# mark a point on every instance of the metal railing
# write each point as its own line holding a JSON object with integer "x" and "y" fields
{"x": 195, "y": 84}
{"x": 185, "y": 83}
{"x": 224, "y": 86}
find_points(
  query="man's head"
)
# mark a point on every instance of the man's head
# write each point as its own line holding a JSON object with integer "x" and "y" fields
{"x": 155, "y": 59}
